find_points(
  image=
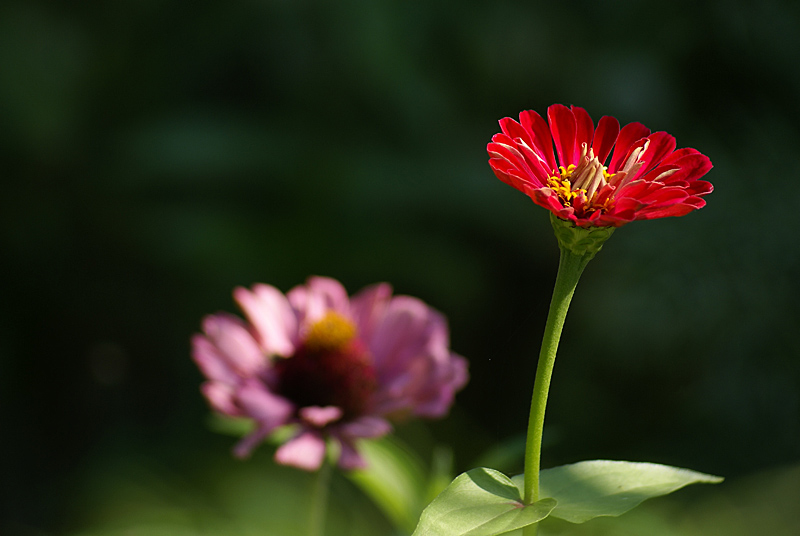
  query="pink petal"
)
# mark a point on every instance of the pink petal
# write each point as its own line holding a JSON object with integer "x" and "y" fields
{"x": 401, "y": 336}
{"x": 368, "y": 306}
{"x": 220, "y": 397}
{"x": 416, "y": 371}
{"x": 452, "y": 377}
{"x": 271, "y": 315}
{"x": 318, "y": 296}
{"x": 320, "y": 416}
{"x": 235, "y": 344}
{"x": 211, "y": 363}
{"x": 268, "y": 409}
{"x": 306, "y": 451}
{"x": 365, "y": 426}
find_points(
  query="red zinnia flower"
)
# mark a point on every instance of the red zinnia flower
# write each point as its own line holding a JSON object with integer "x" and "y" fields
{"x": 646, "y": 177}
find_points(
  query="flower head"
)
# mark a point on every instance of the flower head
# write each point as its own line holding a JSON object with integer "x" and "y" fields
{"x": 334, "y": 366}
{"x": 645, "y": 178}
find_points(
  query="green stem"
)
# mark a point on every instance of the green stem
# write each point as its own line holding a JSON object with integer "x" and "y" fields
{"x": 570, "y": 267}
{"x": 319, "y": 499}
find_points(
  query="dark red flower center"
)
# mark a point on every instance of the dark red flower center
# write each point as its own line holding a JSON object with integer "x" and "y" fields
{"x": 331, "y": 367}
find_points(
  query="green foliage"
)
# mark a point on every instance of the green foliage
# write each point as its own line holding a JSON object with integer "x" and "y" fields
{"x": 485, "y": 502}
{"x": 590, "y": 489}
{"x": 480, "y": 502}
{"x": 210, "y": 494}
{"x": 394, "y": 479}
{"x": 156, "y": 156}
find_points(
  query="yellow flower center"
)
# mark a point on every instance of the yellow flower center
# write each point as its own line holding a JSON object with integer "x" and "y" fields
{"x": 586, "y": 198}
{"x": 330, "y": 333}
{"x": 581, "y": 186}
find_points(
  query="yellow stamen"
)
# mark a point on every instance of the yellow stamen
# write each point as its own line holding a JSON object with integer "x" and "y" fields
{"x": 329, "y": 333}
{"x": 584, "y": 183}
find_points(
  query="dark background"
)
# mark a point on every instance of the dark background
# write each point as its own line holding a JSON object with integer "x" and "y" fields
{"x": 157, "y": 154}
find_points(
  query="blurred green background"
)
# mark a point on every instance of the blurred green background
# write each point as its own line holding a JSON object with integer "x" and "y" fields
{"x": 156, "y": 154}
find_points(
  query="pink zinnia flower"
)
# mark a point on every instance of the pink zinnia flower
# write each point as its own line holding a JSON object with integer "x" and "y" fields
{"x": 645, "y": 178}
{"x": 336, "y": 367}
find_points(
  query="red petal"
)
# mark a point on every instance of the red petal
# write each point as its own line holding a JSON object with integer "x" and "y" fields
{"x": 628, "y": 204}
{"x": 585, "y": 128}
{"x": 534, "y": 123}
{"x": 700, "y": 188}
{"x": 514, "y": 130}
{"x": 630, "y": 134}
{"x": 634, "y": 190}
{"x": 512, "y": 152}
{"x": 658, "y": 170}
{"x": 508, "y": 152}
{"x": 562, "y": 126}
{"x": 604, "y": 137}
{"x": 637, "y": 174}
{"x": 692, "y": 163}
{"x": 680, "y": 153}
{"x": 547, "y": 198}
{"x": 696, "y": 202}
{"x": 664, "y": 196}
{"x": 616, "y": 219}
{"x": 537, "y": 163}
{"x": 680, "y": 209}
{"x": 661, "y": 145}
{"x": 507, "y": 173}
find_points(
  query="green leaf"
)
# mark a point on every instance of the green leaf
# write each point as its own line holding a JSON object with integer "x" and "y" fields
{"x": 233, "y": 426}
{"x": 590, "y": 489}
{"x": 394, "y": 479}
{"x": 439, "y": 476}
{"x": 480, "y": 502}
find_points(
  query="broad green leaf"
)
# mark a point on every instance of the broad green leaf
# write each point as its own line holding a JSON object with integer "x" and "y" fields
{"x": 590, "y": 489}
{"x": 480, "y": 502}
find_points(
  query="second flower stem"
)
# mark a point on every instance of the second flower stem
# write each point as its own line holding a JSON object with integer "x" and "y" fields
{"x": 319, "y": 499}
{"x": 570, "y": 267}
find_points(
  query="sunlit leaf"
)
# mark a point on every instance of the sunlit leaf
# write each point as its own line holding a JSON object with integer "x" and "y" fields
{"x": 590, "y": 489}
{"x": 480, "y": 502}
